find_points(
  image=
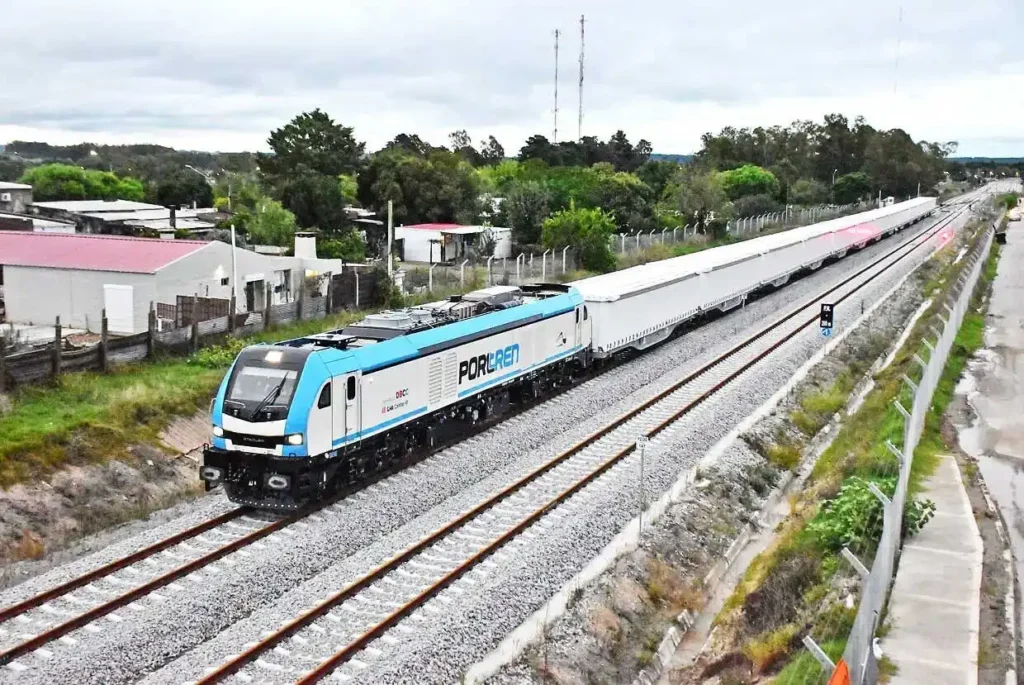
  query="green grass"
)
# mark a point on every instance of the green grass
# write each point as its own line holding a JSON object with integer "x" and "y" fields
{"x": 90, "y": 417}
{"x": 805, "y": 669}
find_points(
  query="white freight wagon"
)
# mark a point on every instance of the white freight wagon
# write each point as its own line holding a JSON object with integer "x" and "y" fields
{"x": 640, "y": 307}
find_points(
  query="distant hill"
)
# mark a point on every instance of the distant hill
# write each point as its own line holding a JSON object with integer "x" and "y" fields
{"x": 679, "y": 159}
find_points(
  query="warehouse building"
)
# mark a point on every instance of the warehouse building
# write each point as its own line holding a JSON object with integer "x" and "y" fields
{"x": 76, "y": 277}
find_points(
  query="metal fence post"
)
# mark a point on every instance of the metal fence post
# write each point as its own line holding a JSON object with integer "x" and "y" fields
{"x": 663, "y": 235}
{"x": 462, "y": 273}
{"x": 564, "y": 251}
{"x": 521, "y": 257}
{"x": 430, "y": 278}
{"x": 544, "y": 264}
{"x": 490, "y": 275}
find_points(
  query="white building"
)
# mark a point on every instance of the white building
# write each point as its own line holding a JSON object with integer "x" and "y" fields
{"x": 76, "y": 277}
{"x": 436, "y": 243}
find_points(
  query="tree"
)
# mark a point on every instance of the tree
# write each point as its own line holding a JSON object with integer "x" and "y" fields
{"x": 526, "y": 205}
{"x": 539, "y": 147}
{"x": 850, "y": 188}
{"x": 755, "y": 205}
{"x": 441, "y": 187}
{"x": 272, "y": 224}
{"x": 807, "y": 191}
{"x": 492, "y": 152}
{"x": 462, "y": 145}
{"x": 52, "y": 182}
{"x": 316, "y": 201}
{"x": 312, "y": 141}
{"x": 11, "y": 169}
{"x": 748, "y": 180}
{"x": 588, "y": 231}
{"x": 347, "y": 246}
{"x": 409, "y": 144}
{"x": 183, "y": 188}
{"x": 700, "y": 198}
{"x": 349, "y": 188}
{"x": 656, "y": 174}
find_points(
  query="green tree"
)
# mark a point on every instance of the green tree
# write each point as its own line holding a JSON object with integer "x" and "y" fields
{"x": 441, "y": 187}
{"x": 656, "y": 174}
{"x": 700, "y": 199}
{"x": 11, "y": 169}
{"x": 755, "y": 205}
{"x": 462, "y": 145}
{"x": 492, "y": 152}
{"x": 348, "y": 246}
{"x": 807, "y": 191}
{"x": 525, "y": 207}
{"x": 586, "y": 230}
{"x": 851, "y": 188}
{"x": 271, "y": 224}
{"x": 316, "y": 201}
{"x": 314, "y": 142}
{"x": 349, "y": 188}
{"x": 54, "y": 182}
{"x": 183, "y": 188}
{"x": 748, "y": 180}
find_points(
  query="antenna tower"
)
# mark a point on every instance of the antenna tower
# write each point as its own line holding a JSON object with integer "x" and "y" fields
{"x": 579, "y": 133}
{"x": 554, "y": 138}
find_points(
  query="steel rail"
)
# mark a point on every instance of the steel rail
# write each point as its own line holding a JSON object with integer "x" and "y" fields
{"x": 60, "y": 590}
{"x": 252, "y": 653}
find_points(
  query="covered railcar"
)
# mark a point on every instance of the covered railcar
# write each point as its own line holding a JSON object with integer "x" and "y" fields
{"x": 640, "y": 307}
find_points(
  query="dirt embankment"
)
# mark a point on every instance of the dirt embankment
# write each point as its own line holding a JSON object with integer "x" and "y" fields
{"x": 42, "y": 522}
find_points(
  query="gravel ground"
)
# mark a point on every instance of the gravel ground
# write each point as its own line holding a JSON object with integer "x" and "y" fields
{"x": 268, "y": 582}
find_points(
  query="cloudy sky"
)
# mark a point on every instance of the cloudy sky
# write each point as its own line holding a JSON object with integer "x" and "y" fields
{"x": 219, "y": 74}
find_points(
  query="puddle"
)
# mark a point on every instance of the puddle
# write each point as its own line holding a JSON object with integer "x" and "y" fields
{"x": 993, "y": 387}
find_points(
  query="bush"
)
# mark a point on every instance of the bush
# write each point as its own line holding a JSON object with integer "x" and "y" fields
{"x": 586, "y": 230}
{"x": 748, "y": 179}
{"x": 765, "y": 650}
{"x": 218, "y": 356}
{"x": 776, "y": 601}
{"x": 854, "y": 516}
{"x": 755, "y": 205}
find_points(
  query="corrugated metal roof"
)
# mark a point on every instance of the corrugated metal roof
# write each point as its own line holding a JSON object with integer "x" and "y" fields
{"x": 87, "y": 206}
{"x": 92, "y": 252}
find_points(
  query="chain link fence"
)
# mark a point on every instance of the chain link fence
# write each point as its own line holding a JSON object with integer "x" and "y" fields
{"x": 859, "y": 655}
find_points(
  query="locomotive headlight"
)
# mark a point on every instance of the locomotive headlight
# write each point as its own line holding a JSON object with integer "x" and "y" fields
{"x": 294, "y": 439}
{"x": 218, "y": 432}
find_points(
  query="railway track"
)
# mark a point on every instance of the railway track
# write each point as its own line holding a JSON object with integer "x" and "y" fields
{"x": 330, "y": 635}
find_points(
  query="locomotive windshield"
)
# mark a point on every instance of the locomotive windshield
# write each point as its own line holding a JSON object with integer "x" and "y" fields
{"x": 263, "y": 382}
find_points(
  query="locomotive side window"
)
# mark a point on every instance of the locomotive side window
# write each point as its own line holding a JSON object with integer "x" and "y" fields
{"x": 350, "y": 389}
{"x": 325, "y": 397}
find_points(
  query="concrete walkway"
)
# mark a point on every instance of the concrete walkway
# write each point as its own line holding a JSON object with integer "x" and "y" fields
{"x": 934, "y": 607}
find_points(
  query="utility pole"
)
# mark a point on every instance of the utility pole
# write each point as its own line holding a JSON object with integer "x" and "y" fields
{"x": 579, "y": 135}
{"x": 391, "y": 276}
{"x": 554, "y": 138}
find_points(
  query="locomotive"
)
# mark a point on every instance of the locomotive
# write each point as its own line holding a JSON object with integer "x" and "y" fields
{"x": 293, "y": 419}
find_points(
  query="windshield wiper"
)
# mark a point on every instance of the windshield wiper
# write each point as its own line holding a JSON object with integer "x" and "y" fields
{"x": 274, "y": 393}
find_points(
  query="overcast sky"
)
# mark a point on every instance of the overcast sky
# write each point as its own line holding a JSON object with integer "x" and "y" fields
{"x": 220, "y": 74}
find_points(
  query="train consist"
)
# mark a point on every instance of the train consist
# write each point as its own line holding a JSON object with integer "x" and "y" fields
{"x": 293, "y": 419}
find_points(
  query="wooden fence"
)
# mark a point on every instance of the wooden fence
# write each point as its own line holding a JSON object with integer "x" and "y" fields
{"x": 348, "y": 290}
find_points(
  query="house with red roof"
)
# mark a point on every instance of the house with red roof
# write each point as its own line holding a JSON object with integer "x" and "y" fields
{"x": 78, "y": 276}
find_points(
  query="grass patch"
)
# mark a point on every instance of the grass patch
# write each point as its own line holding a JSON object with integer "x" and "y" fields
{"x": 805, "y": 669}
{"x": 836, "y": 509}
{"x": 90, "y": 417}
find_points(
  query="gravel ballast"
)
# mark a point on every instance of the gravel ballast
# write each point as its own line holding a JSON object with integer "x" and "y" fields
{"x": 343, "y": 541}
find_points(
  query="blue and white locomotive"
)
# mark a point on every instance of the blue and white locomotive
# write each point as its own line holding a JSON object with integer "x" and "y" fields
{"x": 293, "y": 419}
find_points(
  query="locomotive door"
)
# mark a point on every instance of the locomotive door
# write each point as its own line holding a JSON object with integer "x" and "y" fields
{"x": 346, "y": 407}
{"x": 579, "y": 326}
